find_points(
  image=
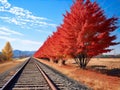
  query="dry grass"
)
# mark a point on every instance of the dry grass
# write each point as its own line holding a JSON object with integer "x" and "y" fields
{"x": 110, "y": 63}
{"x": 10, "y": 64}
{"x": 95, "y": 80}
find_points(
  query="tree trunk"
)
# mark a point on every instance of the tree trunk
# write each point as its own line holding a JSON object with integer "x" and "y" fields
{"x": 82, "y": 61}
{"x": 51, "y": 60}
{"x": 61, "y": 62}
{"x": 55, "y": 61}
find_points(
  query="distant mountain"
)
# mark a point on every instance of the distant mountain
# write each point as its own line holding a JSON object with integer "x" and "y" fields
{"x": 20, "y": 54}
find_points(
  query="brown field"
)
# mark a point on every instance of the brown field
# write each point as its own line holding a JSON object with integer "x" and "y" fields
{"x": 4, "y": 66}
{"x": 109, "y": 63}
{"x": 92, "y": 77}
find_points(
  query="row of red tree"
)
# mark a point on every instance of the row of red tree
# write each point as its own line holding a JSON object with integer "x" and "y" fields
{"x": 85, "y": 33}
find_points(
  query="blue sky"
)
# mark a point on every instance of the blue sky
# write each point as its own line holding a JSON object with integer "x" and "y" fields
{"x": 28, "y": 23}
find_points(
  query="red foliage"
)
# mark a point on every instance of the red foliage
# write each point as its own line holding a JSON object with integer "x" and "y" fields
{"x": 85, "y": 30}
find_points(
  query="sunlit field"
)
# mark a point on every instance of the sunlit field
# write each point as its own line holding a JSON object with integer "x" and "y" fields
{"x": 101, "y": 73}
{"x": 4, "y": 66}
{"x": 108, "y": 63}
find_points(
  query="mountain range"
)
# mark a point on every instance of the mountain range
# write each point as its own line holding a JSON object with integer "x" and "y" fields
{"x": 19, "y": 53}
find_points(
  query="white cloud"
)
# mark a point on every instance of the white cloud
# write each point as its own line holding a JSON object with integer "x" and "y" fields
{"x": 6, "y": 34}
{"x": 14, "y": 21}
{"x": 5, "y": 4}
{"x": 22, "y": 17}
{"x": 21, "y": 44}
{"x": 7, "y": 38}
{"x": 17, "y": 21}
{"x": 4, "y": 18}
{"x": 21, "y": 41}
{"x": 18, "y": 11}
{"x": 6, "y": 31}
{"x": 28, "y": 42}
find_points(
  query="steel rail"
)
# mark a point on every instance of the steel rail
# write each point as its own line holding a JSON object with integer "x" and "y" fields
{"x": 50, "y": 83}
{"x": 7, "y": 85}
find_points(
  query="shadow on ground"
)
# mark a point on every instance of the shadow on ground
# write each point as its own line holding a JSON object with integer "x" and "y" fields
{"x": 104, "y": 70}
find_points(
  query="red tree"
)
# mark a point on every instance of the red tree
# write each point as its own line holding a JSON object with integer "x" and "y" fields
{"x": 85, "y": 32}
{"x": 88, "y": 30}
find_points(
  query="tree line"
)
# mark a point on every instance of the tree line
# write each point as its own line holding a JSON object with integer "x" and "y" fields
{"x": 84, "y": 33}
{"x": 7, "y": 52}
{"x": 108, "y": 56}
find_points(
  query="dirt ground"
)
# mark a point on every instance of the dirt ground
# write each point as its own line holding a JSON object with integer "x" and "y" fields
{"x": 94, "y": 80}
{"x": 10, "y": 64}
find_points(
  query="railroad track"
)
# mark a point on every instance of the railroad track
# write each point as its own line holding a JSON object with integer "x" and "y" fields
{"x": 34, "y": 75}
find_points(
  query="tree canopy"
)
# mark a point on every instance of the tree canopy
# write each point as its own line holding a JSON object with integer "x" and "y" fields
{"x": 84, "y": 33}
{"x": 7, "y": 51}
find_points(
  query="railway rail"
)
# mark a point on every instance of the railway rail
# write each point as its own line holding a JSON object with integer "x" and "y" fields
{"x": 34, "y": 75}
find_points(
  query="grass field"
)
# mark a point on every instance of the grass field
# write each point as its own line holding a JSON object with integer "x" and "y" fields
{"x": 4, "y": 66}
{"x": 93, "y": 76}
{"x": 109, "y": 63}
